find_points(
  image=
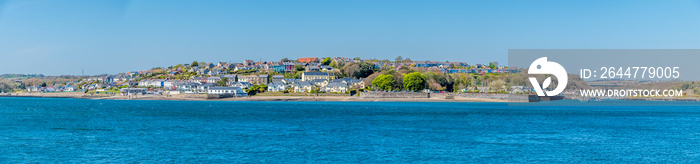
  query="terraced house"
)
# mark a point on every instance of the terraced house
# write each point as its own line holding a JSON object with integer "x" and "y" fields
{"x": 311, "y": 76}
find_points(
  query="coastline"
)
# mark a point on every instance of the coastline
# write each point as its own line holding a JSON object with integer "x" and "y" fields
{"x": 437, "y": 98}
{"x": 250, "y": 98}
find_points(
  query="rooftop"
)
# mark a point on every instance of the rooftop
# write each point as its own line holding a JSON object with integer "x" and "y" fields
{"x": 224, "y": 88}
{"x": 317, "y": 73}
{"x": 308, "y": 60}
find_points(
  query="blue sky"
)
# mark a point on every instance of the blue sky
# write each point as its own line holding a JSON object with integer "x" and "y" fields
{"x": 57, "y": 37}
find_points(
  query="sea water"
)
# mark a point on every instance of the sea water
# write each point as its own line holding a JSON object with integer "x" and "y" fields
{"x": 49, "y": 130}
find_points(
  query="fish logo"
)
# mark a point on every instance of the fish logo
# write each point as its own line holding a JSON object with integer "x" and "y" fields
{"x": 542, "y": 66}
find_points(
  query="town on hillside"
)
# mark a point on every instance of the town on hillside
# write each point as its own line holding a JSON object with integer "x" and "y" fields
{"x": 303, "y": 75}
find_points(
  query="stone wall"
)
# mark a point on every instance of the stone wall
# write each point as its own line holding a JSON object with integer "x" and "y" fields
{"x": 509, "y": 97}
{"x": 300, "y": 94}
{"x": 199, "y": 96}
{"x": 394, "y": 95}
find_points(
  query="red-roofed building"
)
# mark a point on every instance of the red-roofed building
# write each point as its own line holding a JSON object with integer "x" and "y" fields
{"x": 308, "y": 60}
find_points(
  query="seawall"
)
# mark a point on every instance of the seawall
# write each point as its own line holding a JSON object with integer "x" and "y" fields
{"x": 394, "y": 95}
{"x": 499, "y": 96}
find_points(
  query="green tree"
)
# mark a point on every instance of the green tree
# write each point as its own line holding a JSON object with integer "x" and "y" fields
{"x": 257, "y": 89}
{"x": 285, "y": 60}
{"x": 252, "y": 91}
{"x": 384, "y": 82}
{"x": 297, "y": 75}
{"x": 43, "y": 84}
{"x": 685, "y": 86}
{"x": 326, "y": 61}
{"x": 222, "y": 82}
{"x": 439, "y": 81}
{"x": 359, "y": 70}
{"x": 492, "y": 65}
{"x": 357, "y": 58}
{"x": 6, "y": 86}
{"x": 498, "y": 85}
{"x": 334, "y": 64}
{"x": 299, "y": 68}
{"x": 378, "y": 80}
{"x": 414, "y": 81}
{"x": 194, "y": 64}
{"x": 398, "y": 79}
{"x": 262, "y": 88}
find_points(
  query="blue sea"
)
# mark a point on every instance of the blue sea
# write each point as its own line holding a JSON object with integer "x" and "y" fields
{"x": 48, "y": 130}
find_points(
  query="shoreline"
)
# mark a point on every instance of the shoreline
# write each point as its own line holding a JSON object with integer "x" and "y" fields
{"x": 250, "y": 98}
{"x": 80, "y": 95}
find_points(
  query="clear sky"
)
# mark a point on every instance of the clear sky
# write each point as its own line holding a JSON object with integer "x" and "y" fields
{"x": 57, "y": 37}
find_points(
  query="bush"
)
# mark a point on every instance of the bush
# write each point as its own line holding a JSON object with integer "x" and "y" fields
{"x": 384, "y": 82}
{"x": 414, "y": 81}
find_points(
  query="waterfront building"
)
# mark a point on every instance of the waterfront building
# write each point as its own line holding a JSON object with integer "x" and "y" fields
{"x": 234, "y": 91}
{"x": 337, "y": 87}
{"x": 204, "y": 87}
{"x": 186, "y": 86}
{"x": 276, "y": 86}
{"x": 352, "y": 82}
{"x": 304, "y": 86}
{"x": 319, "y": 82}
{"x": 241, "y": 84}
{"x": 131, "y": 91}
{"x": 253, "y": 79}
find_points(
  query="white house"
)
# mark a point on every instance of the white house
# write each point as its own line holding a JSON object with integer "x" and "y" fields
{"x": 187, "y": 87}
{"x": 205, "y": 87}
{"x": 310, "y": 76}
{"x": 277, "y": 77}
{"x": 149, "y": 83}
{"x": 304, "y": 86}
{"x": 338, "y": 87}
{"x": 213, "y": 79}
{"x": 319, "y": 82}
{"x": 69, "y": 89}
{"x": 235, "y": 91}
{"x": 276, "y": 86}
{"x": 244, "y": 85}
{"x": 169, "y": 83}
